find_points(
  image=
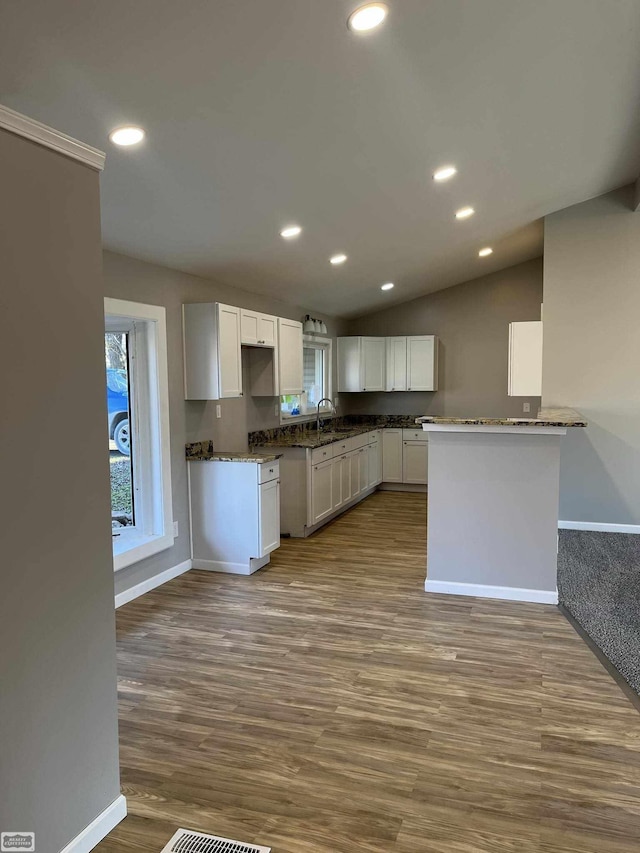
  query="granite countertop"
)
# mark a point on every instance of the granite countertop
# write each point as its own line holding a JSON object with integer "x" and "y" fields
{"x": 307, "y": 436}
{"x": 546, "y": 418}
{"x": 202, "y": 451}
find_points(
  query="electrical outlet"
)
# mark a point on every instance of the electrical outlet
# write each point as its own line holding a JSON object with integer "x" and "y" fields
{"x": 526, "y": 407}
{"x": 175, "y": 529}
{"x": 218, "y": 411}
{"x": 276, "y": 410}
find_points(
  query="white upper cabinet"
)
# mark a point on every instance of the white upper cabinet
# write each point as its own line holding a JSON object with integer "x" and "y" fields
{"x": 361, "y": 364}
{"x": 258, "y": 330}
{"x": 525, "y": 359}
{"x": 290, "y": 357}
{"x": 422, "y": 363}
{"x": 212, "y": 353}
{"x": 396, "y": 364}
{"x": 372, "y": 364}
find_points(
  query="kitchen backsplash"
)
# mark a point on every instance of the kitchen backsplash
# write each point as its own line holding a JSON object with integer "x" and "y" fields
{"x": 261, "y": 437}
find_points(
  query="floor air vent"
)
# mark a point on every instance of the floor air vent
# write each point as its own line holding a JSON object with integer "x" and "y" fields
{"x": 186, "y": 841}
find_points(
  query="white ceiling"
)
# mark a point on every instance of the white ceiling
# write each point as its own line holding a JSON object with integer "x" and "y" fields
{"x": 261, "y": 113}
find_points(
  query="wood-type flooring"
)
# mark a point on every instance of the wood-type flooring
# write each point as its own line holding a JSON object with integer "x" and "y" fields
{"x": 327, "y": 704}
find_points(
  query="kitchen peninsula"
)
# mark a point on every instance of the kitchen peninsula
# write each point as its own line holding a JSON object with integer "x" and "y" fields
{"x": 492, "y": 528}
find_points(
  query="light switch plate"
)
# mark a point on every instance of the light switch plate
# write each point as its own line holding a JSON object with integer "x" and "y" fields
{"x": 175, "y": 529}
{"x": 218, "y": 411}
{"x": 526, "y": 407}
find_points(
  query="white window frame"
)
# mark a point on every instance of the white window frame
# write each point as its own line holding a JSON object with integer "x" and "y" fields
{"x": 149, "y": 428}
{"x": 326, "y": 344}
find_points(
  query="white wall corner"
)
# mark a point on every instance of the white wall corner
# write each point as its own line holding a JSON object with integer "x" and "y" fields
{"x": 151, "y": 583}
{"x": 506, "y": 593}
{"x": 599, "y": 527}
{"x": 99, "y": 828}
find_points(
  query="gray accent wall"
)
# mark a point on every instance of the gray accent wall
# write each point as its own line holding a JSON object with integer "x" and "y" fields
{"x": 472, "y": 322}
{"x": 58, "y": 712}
{"x": 591, "y": 357}
{"x": 139, "y": 281}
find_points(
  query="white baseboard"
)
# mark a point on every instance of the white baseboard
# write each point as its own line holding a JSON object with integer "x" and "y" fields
{"x": 403, "y": 487}
{"x": 231, "y": 568}
{"x": 99, "y": 828}
{"x": 508, "y": 593}
{"x": 146, "y": 586}
{"x": 599, "y": 527}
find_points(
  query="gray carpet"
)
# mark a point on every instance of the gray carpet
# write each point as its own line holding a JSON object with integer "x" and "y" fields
{"x": 599, "y": 584}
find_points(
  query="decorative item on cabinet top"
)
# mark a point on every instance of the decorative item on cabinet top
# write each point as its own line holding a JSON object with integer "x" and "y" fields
{"x": 313, "y": 327}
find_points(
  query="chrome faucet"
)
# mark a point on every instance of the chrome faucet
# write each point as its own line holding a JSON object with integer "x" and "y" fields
{"x": 333, "y": 411}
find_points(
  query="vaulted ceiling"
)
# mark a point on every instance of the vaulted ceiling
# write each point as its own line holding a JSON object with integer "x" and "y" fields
{"x": 263, "y": 113}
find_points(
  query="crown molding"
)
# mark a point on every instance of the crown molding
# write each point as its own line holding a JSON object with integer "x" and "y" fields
{"x": 48, "y": 137}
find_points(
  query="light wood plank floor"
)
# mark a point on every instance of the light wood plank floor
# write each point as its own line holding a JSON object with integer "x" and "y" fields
{"x": 327, "y": 704}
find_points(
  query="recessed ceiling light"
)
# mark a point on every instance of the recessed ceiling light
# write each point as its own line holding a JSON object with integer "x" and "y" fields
{"x": 444, "y": 173}
{"x": 367, "y": 17}
{"x": 485, "y": 252}
{"x": 338, "y": 259}
{"x": 291, "y": 231}
{"x": 388, "y": 286}
{"x": 125, "y": 136}
{"x": 464, "y": 212}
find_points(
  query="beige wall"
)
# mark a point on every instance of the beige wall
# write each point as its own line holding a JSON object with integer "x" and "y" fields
{"x": 472, "y": 322}
{"x": 58, "y": 713}
{"x": 126, "y": 278}
{"x": 592, "y": 353}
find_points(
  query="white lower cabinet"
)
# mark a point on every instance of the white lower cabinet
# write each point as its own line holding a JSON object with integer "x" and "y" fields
{"x": 321, "y": 490}
{"x": 269, "y": 515}
{"x": 375, "y": 463}
{"x": 392, "y": 455}
{"x": 235, "y": 514}
{"x": 356, "y": 472}
{"x": 363, "y": 467}
{"x": 415, "y": 462}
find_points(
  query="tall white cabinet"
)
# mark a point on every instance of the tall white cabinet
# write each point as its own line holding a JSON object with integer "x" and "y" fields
{"x": 525, "y": 359}
{"x": 212, "y": 354}
{"x": 290, "y": 357}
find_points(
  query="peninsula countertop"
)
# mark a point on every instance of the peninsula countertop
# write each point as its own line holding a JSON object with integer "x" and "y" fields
{"x": 547, "y": 417}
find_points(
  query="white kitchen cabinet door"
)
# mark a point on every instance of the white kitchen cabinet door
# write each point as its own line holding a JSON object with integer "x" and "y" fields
{"x": 392, "y": 455}
{"x": 396, "y": 364}
{"x": 356, "y": 467}
{"x": 422, "y": 363}
{"x": 525, "y": 359}
{"x": 258, "y": 329}
{"x": 322, "y": 491}
{"x": 249, "y": 327}
{"x": 375, "y": 464}
{"x": 290, "y": 357}
{"x": 345, "y": 478}
{"x": 336, "y": 483}
{"x": 269, "y": 517}
{"x": 415, "y": 462}
{"x": 373, "y": 364}
{"x": 212, "y": 359}
{"x": 229, "y": 351}
{"x": 364, "y": 455}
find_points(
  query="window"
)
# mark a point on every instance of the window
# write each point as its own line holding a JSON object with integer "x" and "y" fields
{"x": 138, "y": 430}
{"x": 316, "y": 372}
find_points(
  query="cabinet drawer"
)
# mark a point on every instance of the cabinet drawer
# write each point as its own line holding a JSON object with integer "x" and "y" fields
{"x": 373, "y": 436}
{"x": 360, "y": 440}
{"x": 415, "y": 435}
{"x": 268, "y": 471}
{"x": 320, "y": 454}
{"x": 340, "y": 447}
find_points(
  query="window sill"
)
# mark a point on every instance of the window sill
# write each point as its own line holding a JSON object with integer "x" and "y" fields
{"x": 309, "y": 416}
{"x": 128, "y": 550}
